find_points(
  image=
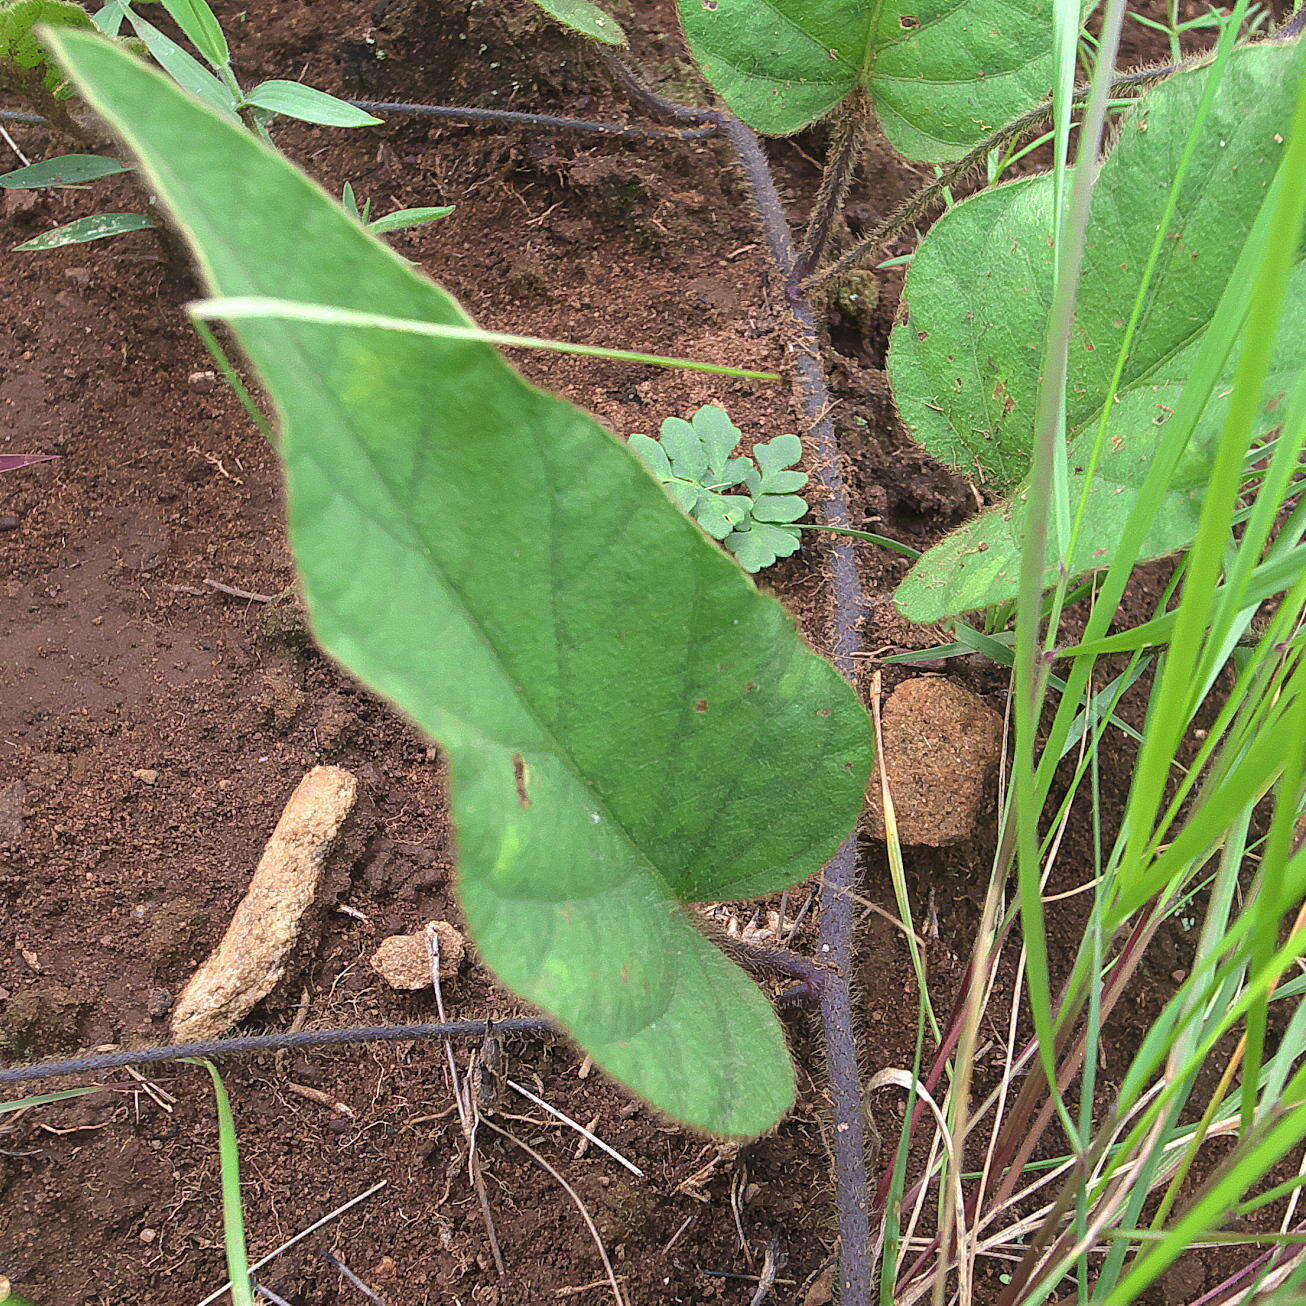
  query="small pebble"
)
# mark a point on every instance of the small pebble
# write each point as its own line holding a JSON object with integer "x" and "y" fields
{"x": 8, "y": 523}
{"x": 146, "y": 776}
{"x": 203, "y": 382}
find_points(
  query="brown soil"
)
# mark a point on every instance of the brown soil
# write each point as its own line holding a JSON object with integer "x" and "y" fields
{"x": 151, "y": 727}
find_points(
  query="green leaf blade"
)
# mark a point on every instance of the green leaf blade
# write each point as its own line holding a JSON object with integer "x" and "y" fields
{"x": 66, "y": 170}
{"x": 620, "y": 707}
{"x": 587, "y": 18}
{"x": 295, "y": 100}
{"x": 941, "y": 87}
{"x": 401, "y": 219}
{"x": 182, "y": 66}
{"x": 202, "y": 29}
{"x": 99, "y": 226}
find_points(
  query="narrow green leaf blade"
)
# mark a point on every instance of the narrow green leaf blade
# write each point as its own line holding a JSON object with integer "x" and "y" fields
{"x": 233, "y": 1201}
{"x": 44, "y": 1099}
{"x": 308, "y": 104}
{"x": 66, "y": 170}
{"x": 182, "y": 66}
{"x": 202, "y": 29}
{"x": 403, "y": 218}
{"x": 97, "y": 227}
{"x": 252, "y": 307}
{"x": 110, "y": 17}
{"x": 631, "y": 726}
{"x": 961, "y": 362}
{"x": 942, "y": 75}
{"x": 587, "y": 18}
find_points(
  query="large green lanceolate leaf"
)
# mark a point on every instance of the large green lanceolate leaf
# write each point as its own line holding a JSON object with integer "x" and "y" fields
{"x": 630, "y": 725}
{"x": 942, "y": 74}
{"x": 964, "y": 360}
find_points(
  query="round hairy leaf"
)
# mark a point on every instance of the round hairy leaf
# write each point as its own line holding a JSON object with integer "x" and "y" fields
{"x": 964, "y": 360}
{"x": 942, "y": 74}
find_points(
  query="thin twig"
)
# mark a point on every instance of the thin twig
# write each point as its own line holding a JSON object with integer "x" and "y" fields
{"x": 237, "y": 593}
{"x": 467, "y": 1114}
{"x": 772, "y": 1264}
{"x": 352, "y": 1278}
{"x": 299, "y": 1237}
{"x": 579, "y": 1128}
{"x": 13, "y": 145}
{"x": 575, "y": 1197}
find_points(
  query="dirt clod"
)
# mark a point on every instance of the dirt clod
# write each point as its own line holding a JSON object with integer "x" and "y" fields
{"x": 821, "y": 1293}
{"x": 941, "y": 745}
{"x": 12, "y": 797}
{"x": 403, "y": 960}
{"x": 146, "y": 775}
{"x": 172, "y": 936}
{"x": 44, "y": 1019}
{"x": 246, "y": 965}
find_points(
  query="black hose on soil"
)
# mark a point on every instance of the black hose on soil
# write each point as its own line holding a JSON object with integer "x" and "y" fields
{"x": 306, "y": 1038}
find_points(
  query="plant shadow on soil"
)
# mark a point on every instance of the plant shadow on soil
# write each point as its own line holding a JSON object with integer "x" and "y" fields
{"x": 151, "y": 727}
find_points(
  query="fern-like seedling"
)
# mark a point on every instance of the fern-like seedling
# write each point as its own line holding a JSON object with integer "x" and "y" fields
{"x": 693, "y": 460}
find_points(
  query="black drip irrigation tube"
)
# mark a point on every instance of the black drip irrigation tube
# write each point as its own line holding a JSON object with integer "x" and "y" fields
{"x": 500, "y": 117}
{"x": 832, "y": 987}
{"x": 252, "y": 1044}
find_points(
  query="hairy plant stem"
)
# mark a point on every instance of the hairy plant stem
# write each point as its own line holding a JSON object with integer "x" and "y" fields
{"x": 846, "y": 146}
{"x": 852, "y": 1192}
{"x": 455, "y": 113}
{"x": 916, "y": 206}
{"x": 510, "y": 117}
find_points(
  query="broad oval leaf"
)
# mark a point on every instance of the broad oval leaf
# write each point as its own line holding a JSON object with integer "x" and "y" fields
{"x": 307, "y": 104}
{"x": 942, "y": 74}
{"x": 964, "y": 360}
{"x": 99, "y": 226}
{"x": 587, "y": 18}
{"x": 66, "y": 170}
{"x": 630, "y": 725}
